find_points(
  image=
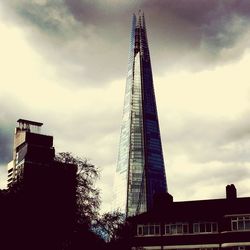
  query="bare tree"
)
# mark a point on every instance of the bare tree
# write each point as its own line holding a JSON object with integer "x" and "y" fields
{"x": 87, "y": 195}
{"x": 109, "y": 224}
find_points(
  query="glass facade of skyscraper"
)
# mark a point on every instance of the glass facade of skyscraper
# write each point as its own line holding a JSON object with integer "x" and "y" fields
{"x": 140, "y": 169}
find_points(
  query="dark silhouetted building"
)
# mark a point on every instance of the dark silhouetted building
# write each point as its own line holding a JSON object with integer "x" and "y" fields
{"x": 201, "y": 225}
{"x": 44, "y": 191}
{"x": 140, "y": 169}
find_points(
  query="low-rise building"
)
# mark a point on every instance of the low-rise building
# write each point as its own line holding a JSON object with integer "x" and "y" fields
{"x": 201, "y": 225}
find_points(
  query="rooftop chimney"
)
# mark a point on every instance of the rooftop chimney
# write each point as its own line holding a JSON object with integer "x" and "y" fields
{"x": 231, "y": 192}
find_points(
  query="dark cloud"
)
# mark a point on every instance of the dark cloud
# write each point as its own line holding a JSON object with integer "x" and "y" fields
{"x": 198, "y": 34}
{"x": 7, "y": 124}
{"x": 89, "y": 39}
{"x": 5, "y": 145}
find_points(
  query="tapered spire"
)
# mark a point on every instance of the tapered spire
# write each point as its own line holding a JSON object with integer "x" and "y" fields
{"x": 140, "y": 169}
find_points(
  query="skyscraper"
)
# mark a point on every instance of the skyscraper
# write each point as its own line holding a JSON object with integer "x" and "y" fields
{"x": 140, "y": 169}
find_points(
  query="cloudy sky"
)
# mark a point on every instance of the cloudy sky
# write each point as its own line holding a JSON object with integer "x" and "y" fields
{"x": 64, "y": 63}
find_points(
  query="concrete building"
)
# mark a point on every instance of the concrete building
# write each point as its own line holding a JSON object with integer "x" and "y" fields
{"x": 30, "y": 148}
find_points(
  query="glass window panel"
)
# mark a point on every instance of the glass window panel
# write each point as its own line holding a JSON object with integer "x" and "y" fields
{"x": 151, "y": 229}
{"x": 241, "y": 248}
{"x": 241, "y": 225}
{"x": 185, "y": 228}
{"x": 167, "y": 229}
{"x": 247, "y": 224}
{"x": 173, "y": 229}
{"x": 157, "y": 229}
{"x": 179, "y": 228}
{"x": 202, "y": 228}
{"x": 208, "y": 227}
{"x": 196, "y": 228}
{"x": 145, "y": 230}
{"x": 139, "y": 232}
{"x": 234, "y": 225}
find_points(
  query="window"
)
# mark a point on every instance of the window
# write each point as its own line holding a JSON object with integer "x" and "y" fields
{"x": 212, "y": 248}
{"x": 240, "y": 223}
{"x": 241, "y": 248}
{"x": 10, "y": 170}
{"x": 177, "y": 228}
{"x": 205, "y": 227}
{"x": 206, "y": 248}
{"x": 150, "y": 229}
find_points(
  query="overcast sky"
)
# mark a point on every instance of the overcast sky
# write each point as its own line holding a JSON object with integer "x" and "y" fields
{"x": 64, "y": 63}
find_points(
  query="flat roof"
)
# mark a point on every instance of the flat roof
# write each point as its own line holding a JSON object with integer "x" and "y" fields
{"x": 30, "y": 122}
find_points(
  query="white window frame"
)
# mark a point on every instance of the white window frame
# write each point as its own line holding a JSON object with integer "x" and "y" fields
{"x": 171, "y": 227}
{"x": 236, "y": 220}
{"x": 148, "y": 227}
{"x": 205, "y": 223}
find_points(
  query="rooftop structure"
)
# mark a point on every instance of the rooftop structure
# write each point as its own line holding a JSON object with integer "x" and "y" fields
{"x": 30, "y": 126}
